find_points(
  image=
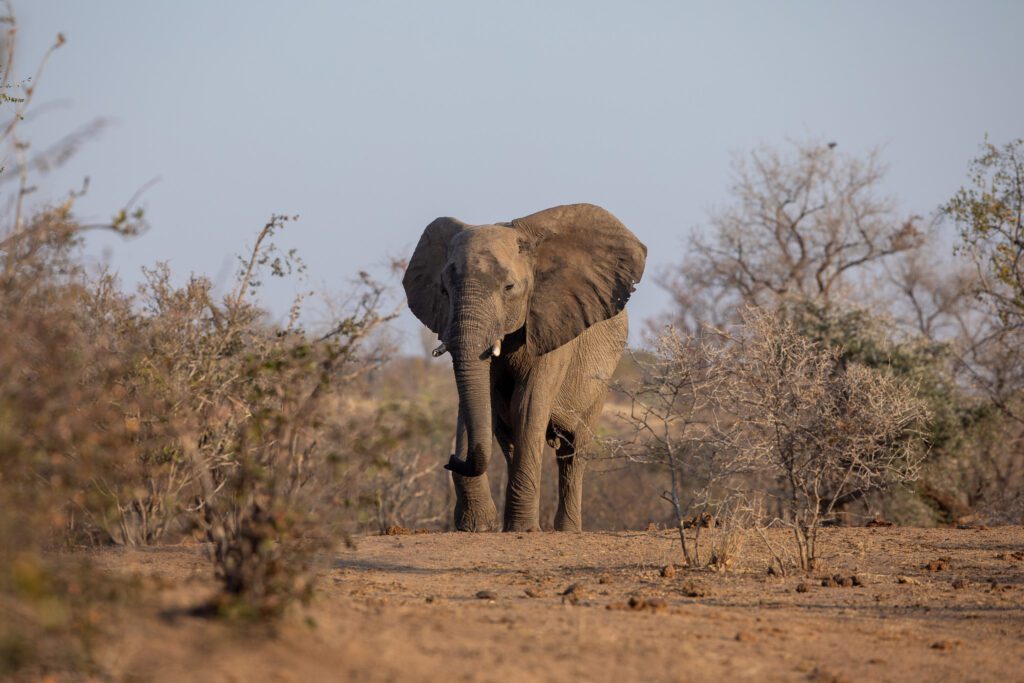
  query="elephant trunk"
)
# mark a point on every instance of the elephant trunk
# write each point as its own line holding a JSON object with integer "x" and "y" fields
{"x": 473, "y": 379}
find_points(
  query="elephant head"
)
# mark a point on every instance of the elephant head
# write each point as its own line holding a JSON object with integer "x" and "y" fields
{"x": 527, "y": 286}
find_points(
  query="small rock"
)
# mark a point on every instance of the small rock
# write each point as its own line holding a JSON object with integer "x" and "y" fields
{"x": 829, "y": 582}
{"x": 908, "y": 580}
{"x": 802, "y": 587}
{"x": 959, "y": 584}
{"x": 639, "y": 603}
{"x": 604, "y": 579}
{"x": 939, "y": 565}
{"x": 668, "y": 571}
{"x": 745, "y": 637}
{"x": 396, "y": 530}
{"x": 858, "y": 580}
{"x": 692, "y": 590}
{"x": 818, "y": 675}
{"x": 573, "y": 594}
{"x": 487, "y": 595}
{"x": 532, "y": 593}
{"x": 943, "y": 645}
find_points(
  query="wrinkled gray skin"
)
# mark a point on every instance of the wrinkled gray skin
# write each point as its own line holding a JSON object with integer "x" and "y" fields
{"x": 532, "y": 312}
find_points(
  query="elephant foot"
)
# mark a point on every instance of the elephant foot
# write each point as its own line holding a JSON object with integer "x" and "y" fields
{"x": 476, "y": 520}
{"x": 568, "y": 517}
{"x": 522, "y": 525}
{"x": 566, "y": 523}
{"x": 474, "y": 507}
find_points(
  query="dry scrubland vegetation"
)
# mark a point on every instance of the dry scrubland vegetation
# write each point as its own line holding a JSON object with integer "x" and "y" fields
{"x": 181, "y": 415}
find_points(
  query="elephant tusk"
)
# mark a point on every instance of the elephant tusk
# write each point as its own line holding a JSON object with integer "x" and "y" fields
{"x": 439, "y": 351}
{"x": 496, "y": 349}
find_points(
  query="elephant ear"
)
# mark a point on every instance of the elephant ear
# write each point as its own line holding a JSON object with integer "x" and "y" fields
{"x": 586, "y": 264}
{"x": 422, "y": 279}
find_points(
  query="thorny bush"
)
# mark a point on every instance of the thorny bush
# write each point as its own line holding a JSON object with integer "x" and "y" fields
{"x": 174, "y": 411}
{"x": 761, "y": 410}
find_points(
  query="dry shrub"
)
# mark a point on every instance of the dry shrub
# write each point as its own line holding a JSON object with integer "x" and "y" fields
{"x": 824, "y": 429}
{"x": 393, "y": 425}
{"x": 155, "y": 414}
{"x": 409, "y": 429}
{"x": 272, "y": 488}
{"x": 58, "y": 426}
{"x": 760, "y": 409}
{"x": 674, "y": 423}
{"x": 61, "y": 429}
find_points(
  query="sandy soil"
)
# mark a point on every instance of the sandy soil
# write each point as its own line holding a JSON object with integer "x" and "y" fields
{"x": 400, "y": 608}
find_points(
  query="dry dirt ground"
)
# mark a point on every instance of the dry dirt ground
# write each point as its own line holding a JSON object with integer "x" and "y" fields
{"x": 932, "y": 605}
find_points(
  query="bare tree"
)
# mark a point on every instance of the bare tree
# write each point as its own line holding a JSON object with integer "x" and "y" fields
{"x": 933, "y": 292}
{"x": 802, "y": 223}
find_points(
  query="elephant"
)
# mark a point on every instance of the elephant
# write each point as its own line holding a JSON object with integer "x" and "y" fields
{"x": 533, "y": 314}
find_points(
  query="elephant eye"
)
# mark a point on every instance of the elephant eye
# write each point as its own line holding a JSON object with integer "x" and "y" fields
{"x": 510, "y": 286}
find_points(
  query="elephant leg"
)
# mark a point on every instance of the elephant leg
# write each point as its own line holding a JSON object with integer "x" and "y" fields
{"x": 504, "y": 438}
{"x": 571, "y": 466}
{"x": 531, "y": 404}
{"x": 522, "y": 493}
{"x": 474, "y": 506}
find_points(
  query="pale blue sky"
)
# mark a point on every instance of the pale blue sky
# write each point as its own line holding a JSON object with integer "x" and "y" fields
{"x": 371, "y": 118}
